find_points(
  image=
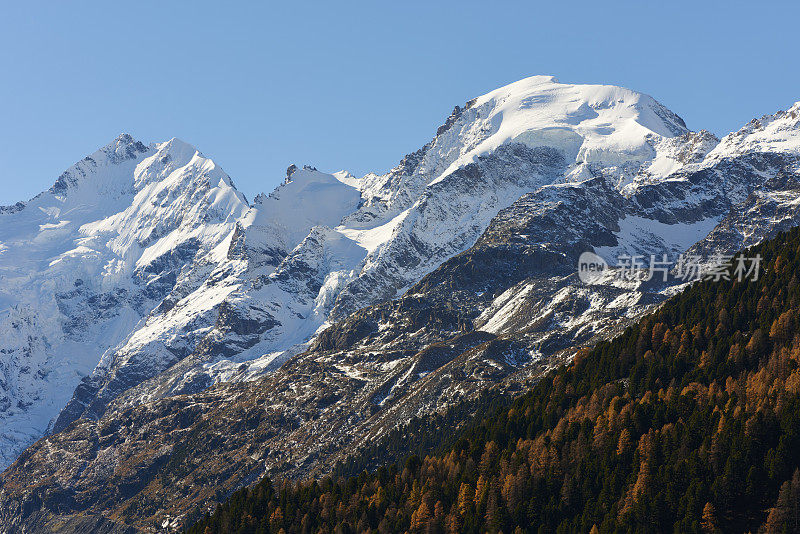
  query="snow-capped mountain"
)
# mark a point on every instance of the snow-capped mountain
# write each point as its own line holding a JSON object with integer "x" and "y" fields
{"x": 337, "y": 307}
{"x": 85, "y": 264}
{"x": 323, "y": 246}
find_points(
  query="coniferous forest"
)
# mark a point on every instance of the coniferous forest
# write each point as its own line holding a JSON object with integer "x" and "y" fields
{"x": 689, "y": 421}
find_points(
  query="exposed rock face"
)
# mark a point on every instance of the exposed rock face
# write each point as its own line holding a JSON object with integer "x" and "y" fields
{"x": 336, "y": 308}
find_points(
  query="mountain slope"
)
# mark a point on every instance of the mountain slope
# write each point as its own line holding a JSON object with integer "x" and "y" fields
{"x": 321, "y": 330}
{"x": 685, "y": 422}
{"x": 363, "y": 241}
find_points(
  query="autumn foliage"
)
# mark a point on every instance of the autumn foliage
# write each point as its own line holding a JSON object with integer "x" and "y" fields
{"x": 687, "y": 422}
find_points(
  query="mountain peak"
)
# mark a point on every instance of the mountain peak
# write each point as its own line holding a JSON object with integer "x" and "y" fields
{"x": 125, "y": 137}
{"x": 583, "y": 106}
{"x": 589, "y": 124}
{"x": 177, "y": 145}
{"x": 779, "y": 132}
{"x": 122, "y": 148}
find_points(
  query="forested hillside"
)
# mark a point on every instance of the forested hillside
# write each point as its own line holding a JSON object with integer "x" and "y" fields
{"x": 687, "y": 422}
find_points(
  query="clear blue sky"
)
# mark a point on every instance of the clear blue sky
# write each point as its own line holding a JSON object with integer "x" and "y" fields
{"x": 354, "y": 86}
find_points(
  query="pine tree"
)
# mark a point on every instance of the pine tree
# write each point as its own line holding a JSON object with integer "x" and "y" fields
{"x": 709, "y": 519}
